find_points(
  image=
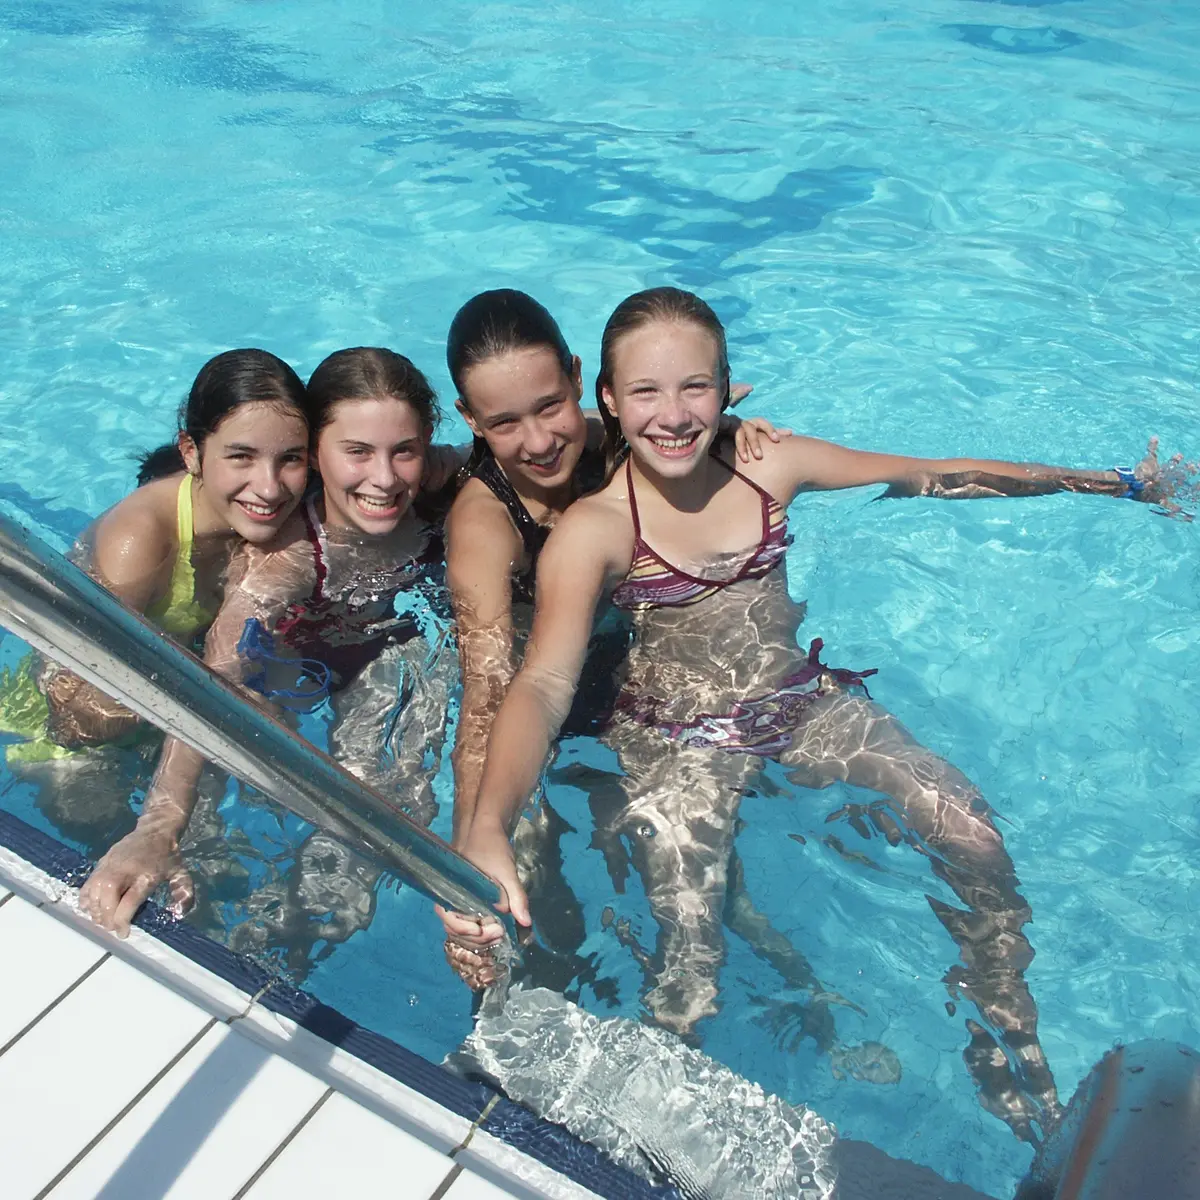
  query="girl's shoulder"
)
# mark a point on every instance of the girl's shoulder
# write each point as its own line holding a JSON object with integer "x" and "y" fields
{"x": 149, "y": 515}
{"x": 477, "y": 512}
{"x": 599, "y": 522}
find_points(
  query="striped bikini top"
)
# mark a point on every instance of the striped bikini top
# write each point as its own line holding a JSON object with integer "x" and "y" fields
{"x": 652, "y": 582}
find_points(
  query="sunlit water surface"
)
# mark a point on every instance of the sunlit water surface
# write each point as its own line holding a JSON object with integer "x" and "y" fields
{"x": 949, "y": 227}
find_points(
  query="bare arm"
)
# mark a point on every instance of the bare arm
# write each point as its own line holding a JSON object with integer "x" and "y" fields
{"x": 442, "y": 463}
{"x": 586, "y": 551}
{"x": 483, "y": 550}
{"x": 149, "y": 855}
{"x": 132, "y": 555}
{"x": 807, "y": 464}
{"x": 261, "y": 585}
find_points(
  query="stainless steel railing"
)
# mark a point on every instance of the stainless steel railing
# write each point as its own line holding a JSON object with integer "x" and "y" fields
{"x": 59, "y": 610}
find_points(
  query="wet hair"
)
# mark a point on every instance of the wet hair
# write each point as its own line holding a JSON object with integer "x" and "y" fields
{"x": 224, "y": 384}
{"x": 644, "y": 308}
{"x": 369, "y": 373}
{"x": 494, "y": 323}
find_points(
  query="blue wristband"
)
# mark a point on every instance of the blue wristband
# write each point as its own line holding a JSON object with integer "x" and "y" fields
{"x": 1133, "y": 485}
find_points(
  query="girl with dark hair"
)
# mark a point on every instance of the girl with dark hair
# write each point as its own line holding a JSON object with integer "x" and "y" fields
{"x": 235, "y": 472}
{"x": 693, "y": 548}
{"x": 536, "y": 451}
{"x": 336, "y": 603}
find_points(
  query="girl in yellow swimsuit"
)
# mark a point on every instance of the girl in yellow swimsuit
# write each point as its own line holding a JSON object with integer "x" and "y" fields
{"x": 336, "y": 606}
{"x": 235, "y": 473}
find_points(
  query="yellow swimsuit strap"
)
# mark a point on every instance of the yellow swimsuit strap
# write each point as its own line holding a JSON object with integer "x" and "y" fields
{"x": 177, "y": 612}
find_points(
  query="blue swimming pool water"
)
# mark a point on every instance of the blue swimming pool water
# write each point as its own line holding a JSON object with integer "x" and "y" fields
{"x": 950, "y": 227}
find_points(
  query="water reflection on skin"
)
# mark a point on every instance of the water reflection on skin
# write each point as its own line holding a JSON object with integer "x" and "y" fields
{"x": 391, "y": 720}
{"x": 553, "y": 960}
{"x": 286, "y": 898}
{"x": 675, "y": 808}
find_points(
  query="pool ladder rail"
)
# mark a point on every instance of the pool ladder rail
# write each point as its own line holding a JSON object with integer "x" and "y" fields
{"x": 55, "y": 607}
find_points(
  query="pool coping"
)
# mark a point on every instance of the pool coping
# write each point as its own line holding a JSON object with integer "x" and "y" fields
{"x": 506, "y": 1141}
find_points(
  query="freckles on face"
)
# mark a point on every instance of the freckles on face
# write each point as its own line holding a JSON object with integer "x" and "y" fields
{"x": 667, "y": 389}
{"x": 371, "y": 456}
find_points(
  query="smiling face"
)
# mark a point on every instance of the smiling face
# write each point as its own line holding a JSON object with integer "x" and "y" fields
{"x": 526, "y": 407}
{"x": 667, "y": 390}
{"x": 253, "y": 469}
{"x": 371, "y": 456}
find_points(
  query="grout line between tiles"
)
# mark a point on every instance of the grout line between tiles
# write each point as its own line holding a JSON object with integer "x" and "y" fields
{"x": 442, "y": 1188}
{"x": 457, "y": 1169}
{"x": 283, "y": 1145}
{"x": 16, "y": 1037}
{"x": 479, "y": 1120}
{"x": 251, "y": 1001}
{"x": 124, "y": 1112}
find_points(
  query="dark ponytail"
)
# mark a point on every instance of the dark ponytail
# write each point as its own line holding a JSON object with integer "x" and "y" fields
{"x": 644, "y": 308}
{"x": 224, "y": 384}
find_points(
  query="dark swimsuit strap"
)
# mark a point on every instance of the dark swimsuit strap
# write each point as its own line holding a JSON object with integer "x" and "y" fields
{"x": 533, "y": 535}
{"x": 765, "y": 499}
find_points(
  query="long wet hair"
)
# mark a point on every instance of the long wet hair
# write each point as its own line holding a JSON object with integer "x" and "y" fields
{"x": 369, "y": 373}
{"x": 223, "y": 385}
{"x": 644, "y": 308}
{"x": 495, "y": 323}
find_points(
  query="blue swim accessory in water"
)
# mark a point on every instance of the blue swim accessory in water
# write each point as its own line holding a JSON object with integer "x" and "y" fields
{"x": 1133, "y": 485}
{"x": 257, "y": 646}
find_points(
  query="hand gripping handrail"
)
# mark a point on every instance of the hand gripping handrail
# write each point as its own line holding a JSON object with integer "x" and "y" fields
{"x": 59, "y": 610}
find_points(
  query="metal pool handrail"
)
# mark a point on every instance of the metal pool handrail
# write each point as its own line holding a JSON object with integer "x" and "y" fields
{"x": 58, "y": 609}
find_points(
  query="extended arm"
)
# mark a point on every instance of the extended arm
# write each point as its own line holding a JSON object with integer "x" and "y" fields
{"x": 807, "y": 464}
{"x": 148, "y": 856}
{"x": 582, "y": 554}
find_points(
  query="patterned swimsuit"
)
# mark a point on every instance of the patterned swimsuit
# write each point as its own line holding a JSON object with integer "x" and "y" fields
{"x": 348, "y": 626}
{"x": 761, "y": 725}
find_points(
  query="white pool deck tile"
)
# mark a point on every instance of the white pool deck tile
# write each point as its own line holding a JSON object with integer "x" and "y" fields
{"x": 373, "y": 1158}
{"x": 78, "y": 1068}
{"x": 128, "y": 1072}
{"x": 203, "y": 1130}
{"x": 42, "y": 958}
{"x": 469, "y": 1186}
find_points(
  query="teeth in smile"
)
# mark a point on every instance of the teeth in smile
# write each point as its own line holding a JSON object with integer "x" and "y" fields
{"x": 674, "y": 443}
{"x": 260, "y": 510}
{"x": 374, "y": 502}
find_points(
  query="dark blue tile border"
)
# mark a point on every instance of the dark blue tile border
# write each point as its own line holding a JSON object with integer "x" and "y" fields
{"x": 549, "y": 1144}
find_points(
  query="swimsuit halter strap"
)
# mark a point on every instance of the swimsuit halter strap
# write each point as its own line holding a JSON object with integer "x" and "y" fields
{"x": 184, "y": 522}
{"x": 494, "y": 479}
{"x": 765, "y": 497}
{"x": 316, "y": 536}
{"x": 633, "y": 508}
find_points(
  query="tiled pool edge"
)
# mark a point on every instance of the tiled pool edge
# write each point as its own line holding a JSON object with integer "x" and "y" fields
{"x": 508, "y": 1143}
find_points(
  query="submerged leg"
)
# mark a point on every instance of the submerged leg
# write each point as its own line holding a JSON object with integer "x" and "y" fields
{"x": 391, "y": 724}
{"x": 679, "y": 822}
{"x": 790, "y": 1020}
{"x": 847, "y": 738}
